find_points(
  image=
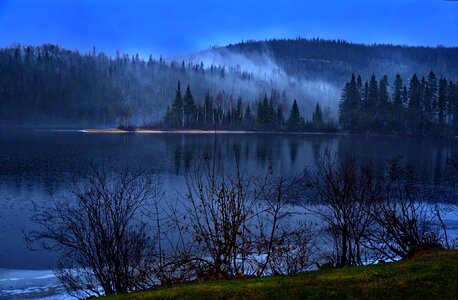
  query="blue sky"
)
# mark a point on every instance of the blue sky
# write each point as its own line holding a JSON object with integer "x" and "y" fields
{"x": 177, "y": 27}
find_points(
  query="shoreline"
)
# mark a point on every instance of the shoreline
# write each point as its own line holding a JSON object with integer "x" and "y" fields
{"x": 204, "y": 131}
{"x": 200, "y": 131}
{"x": 228, "y": 132}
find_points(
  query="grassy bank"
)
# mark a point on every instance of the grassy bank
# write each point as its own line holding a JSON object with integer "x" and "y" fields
{"x": 432, "y": 275}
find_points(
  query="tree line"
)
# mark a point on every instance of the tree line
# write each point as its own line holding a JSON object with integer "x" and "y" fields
{"x": 267, "y": 113}
{"x": 48, "y": 85}
{"x": 116, "y": 233}
{"x": 426, "y": 106}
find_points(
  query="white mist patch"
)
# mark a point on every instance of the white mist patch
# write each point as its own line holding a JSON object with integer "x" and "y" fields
{"x": 263, "y": 66}
{"x": 268, "y": 75}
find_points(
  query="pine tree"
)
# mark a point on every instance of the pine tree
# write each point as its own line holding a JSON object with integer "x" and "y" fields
{"x": 349, "y": 105}
{"x": 177, "y": 109}
{"x": 364, "y": 108}
{"x": 383, "y": 104}
{"x": 372, "y": 102}
{"x": 344, "y": 108}
{"x": 430, "y": 99}
{"x": 454, "y": 109}
{"x": 280, "y": 117}
{"x": 239, "y": 113}
{"x": 208, "y": 110}
{"x": 190, "y": 109}
{"x": 398, "y": 106}
{"x": 449, "y": 104}
{"x": 271, "y": 114}
{"x": 264, "y": 117}
{"x": 295, "y": 120}
{"x": 414, "y": 108}
{"x": 317, "y": 118}
{"x": 441, "y": 104}
{"x": 248, "y": 117}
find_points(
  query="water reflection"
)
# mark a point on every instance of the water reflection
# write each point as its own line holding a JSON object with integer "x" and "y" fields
{"x": 34, "y": 163}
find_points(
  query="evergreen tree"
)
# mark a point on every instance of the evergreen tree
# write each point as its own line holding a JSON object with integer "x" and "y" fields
{"x": 454, "y": 109}
{"x": 349, "y": 105}
{"x": 441, "y": 104}
{"x": 295, "y": 120}
{"x": 430, "y": 99}
{"x": 414, "y": 110}
{"x": 271, "y": 114}
{"x": 208, "y": 111}
{"x": 248, "y": 117}
{"x": 264, "y": 117}
{"x": 317, "y": 118}
{"x": 280, "y": 117}
{"x": 190, "y": 109}
{"x": 239, "y": 113}
{"x": 372, "y": 102}
{"x": 364, "y": 108}
{"x": 398, "y": 106}
{"x": 383, "y": 104}
{"x": 177, "y": 110}
{"x": 344, "y": 108}
{"x": 449, "y": 104}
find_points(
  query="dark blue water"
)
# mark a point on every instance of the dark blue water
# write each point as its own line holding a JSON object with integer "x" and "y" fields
{"x": 34, "y": 165}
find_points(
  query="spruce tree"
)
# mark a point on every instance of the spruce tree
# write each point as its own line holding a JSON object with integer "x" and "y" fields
{"x": 414, "y": 108}
{"x": 449, "y": 104}
{"x": 263, "y": 115}
{"x": 454, "y": 109}
{"x": 397, "y": 107}
{"x": 177, "y": 109}
{"x": 239, "y": 112}
{"x": 430, "y": 98}
{"x": 271, "y": 114}
{"x": 248, "y": 117}
{"x": 372, "y": 102}
{"x": 317, "y": 118}
{"x": 363, "y": 124}
{"x": 295, "y": 120}
{"x": 344, "y": 108}
{"x": 208, "y": 110}
{"x": 190, "y": 108}
{"x": 383, "y": 104}
{"x": 280, "y": 117}
{"x": 441, "y": 104}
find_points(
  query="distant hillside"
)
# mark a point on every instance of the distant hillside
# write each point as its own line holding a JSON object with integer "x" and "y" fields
{"x": 336, "y": 60}
{"x": 51, "y": 86}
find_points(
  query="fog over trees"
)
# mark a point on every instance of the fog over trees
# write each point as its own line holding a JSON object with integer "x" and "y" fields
{"x": 51, "y": 86}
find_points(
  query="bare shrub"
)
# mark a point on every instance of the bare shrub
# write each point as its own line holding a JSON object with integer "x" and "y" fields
{"x": 341, "y": 193}
{"x": 101, "y": 232}
{"x": 406, "y": 212}
{"x": 236, "y": 224}
{"x": 284, "y": 241}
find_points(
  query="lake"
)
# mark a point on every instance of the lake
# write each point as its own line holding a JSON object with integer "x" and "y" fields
{"x": 36, "y": 164}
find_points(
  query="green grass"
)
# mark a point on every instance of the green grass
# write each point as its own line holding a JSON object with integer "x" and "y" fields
{"x": 432, "y": 275}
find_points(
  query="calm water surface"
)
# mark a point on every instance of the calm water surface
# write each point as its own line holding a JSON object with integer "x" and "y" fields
{"x": 34, "y": 164}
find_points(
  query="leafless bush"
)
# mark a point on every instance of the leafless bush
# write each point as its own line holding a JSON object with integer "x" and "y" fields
{"x": 284, "y": 241}
{"x": 344, "y": 190}
{"x": 406, "y": 212}
{"x": 100, "y": 229}
{"x": 236, "y": 224}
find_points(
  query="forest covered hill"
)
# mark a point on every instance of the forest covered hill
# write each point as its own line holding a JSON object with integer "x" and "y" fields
{"x": 48, "y": 86}
{"x": 336, "y": 60}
